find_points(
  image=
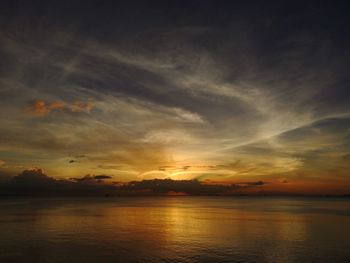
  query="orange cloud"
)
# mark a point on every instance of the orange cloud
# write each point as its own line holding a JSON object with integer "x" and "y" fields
{"x": 37, "y": 108}
{"x": 56, "y": 105}
{"x": 40, "y": 108}
{"x": 78, "y": 106}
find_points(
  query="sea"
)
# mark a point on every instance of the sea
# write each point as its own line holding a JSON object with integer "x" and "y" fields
{"x": 174, "y": 229}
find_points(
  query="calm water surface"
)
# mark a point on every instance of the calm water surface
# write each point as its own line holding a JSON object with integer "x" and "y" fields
{"x": 175, "y": 229}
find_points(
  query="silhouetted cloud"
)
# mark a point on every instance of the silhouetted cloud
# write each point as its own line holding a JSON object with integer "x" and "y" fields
{"x": 102, "y": 176}
{"x": 32, "y": 178}
{"x": 189, "y": 187}
{"x": 91, "y": 178}
{"x": 35, "y": 181}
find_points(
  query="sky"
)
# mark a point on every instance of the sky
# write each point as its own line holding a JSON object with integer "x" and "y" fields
{"x": 252, "y": 93}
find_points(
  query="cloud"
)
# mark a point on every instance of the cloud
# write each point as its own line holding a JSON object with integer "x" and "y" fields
{"x": 77, "y": 158}
{"x": 171, "y": 93}
{"x": 79, "y": 106}
{"x": 91, "y": 178}
{"x": 189, "y": 187}
{"x": 110, "y": 167}
{"x": 33, "y": 178}
{"x": 102, "y": 177}
{"x": 40, "y": 108}
{"x": 34, "y": 181}
{"x": 248, "y": 184}
{"x": 56, "y": 105}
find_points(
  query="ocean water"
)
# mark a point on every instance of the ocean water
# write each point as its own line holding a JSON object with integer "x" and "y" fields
{"x": 175, "y": 229}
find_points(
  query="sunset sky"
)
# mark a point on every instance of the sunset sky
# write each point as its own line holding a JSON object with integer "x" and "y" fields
{"x": 218, "y": 91}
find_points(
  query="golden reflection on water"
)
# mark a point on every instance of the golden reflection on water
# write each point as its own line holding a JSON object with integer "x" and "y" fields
{"x": 182, "y": 229}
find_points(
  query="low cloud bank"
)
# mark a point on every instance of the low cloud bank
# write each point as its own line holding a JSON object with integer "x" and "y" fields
{"x": 190, "y": 187}
{"x": 36, "y": 182}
